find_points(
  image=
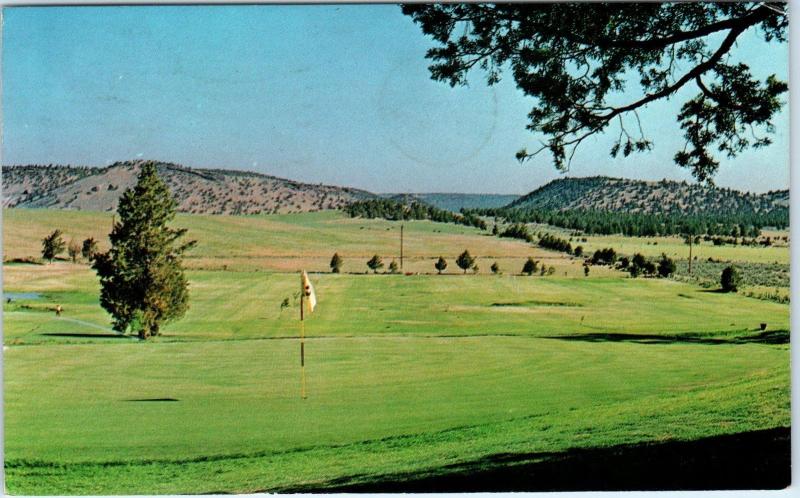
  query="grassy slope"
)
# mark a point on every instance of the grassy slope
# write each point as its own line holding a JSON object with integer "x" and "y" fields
{"x": 390, "y": 390}
{"x": 293, "y": 241}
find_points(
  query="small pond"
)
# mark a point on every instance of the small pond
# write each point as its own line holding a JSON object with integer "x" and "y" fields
{"x": 18, "y": 296}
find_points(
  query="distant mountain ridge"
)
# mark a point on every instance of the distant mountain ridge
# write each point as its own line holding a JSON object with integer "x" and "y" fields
{"x": 602, "y": 193}
{"x": 218, "y": 191}
{"x": 205, "y": 191}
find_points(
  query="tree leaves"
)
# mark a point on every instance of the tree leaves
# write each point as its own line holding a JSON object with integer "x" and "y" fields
{"x": 576, "y": 59}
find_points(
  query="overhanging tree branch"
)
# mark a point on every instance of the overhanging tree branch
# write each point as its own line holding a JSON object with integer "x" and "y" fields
{"x": 572, "y": 57}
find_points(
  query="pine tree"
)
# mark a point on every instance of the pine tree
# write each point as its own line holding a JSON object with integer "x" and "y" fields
{"x": 440, "y": 265}
{"x": 52, "y": 245}
{"x": 141, "y": 277}
{"x": 529, "y": 268}
{"x": 375, "y": 263}
{"x": 393, "y": 267}
{"x": 730, "y": 279}
{"x": 666, "y": 266}
{"x": 690, "y": 47}
{"x": 495, "y": 268}
{"x": 465, "y": 261}
{"x": 89, "y": 248}
{"x": 336, "y": 263}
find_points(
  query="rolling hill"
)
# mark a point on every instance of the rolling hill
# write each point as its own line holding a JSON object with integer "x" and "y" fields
{"x": 204, "y": 191}
{"x": 601, "y": 193}
{"x": 217, "y": 191}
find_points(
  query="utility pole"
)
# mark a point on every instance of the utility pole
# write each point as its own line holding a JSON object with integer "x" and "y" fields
{"x": 401, "y": 246}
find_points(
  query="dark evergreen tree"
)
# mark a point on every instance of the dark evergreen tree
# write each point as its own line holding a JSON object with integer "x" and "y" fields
{"x": 607, "y": 256}
{"x": 556, "y": 243}
{"x": 495, "y": 268}
{"x": 440, "y": 265}
{"x": 517, "y": 231}
{"x": 530, "y": 266}
{"x": 666, "y": 266}
{"x": 89, "y": 248}
{"x": 336, "y": 263}
{"x": 715, "y": 222}
{"x": 375, "y": 263}
{"x": 730, "y": 279}
{"x": 393, "y": 210}
{"x": 143, "y": 285}
{"x": 465, "y": 261}
{"x": 638, "y": 265}
{"x": 53, "y": 245}
{"x": 393, "y": 267}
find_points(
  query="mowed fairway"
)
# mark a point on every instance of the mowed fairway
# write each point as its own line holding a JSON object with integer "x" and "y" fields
{"x": 407, "y": 375}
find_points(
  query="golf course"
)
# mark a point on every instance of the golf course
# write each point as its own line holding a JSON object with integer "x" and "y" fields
{"x": 445, "y": 247}
{"x": 411, "y": 377}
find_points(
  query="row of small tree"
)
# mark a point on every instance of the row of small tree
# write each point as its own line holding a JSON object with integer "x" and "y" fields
{"x": 54, "y": 244}
{"x": 465, "y": 261}
{"x": 375, "y": 263}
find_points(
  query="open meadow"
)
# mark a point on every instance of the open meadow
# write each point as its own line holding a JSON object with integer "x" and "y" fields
{"x": 410, "y": 377}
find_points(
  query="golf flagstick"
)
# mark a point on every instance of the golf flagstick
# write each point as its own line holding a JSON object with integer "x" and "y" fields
{"x": 302, "y": 350}
{"x": 306, "y": 291}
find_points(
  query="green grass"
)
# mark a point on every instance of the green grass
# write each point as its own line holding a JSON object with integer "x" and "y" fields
{"x": 418, "y": 403}
{"x": 405, "y": 373}
{"x": 238, "y": 305}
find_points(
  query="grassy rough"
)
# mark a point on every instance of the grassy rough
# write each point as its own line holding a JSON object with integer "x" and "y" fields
{"x": 768, "y": 281}
{"x": 292, "y": 241}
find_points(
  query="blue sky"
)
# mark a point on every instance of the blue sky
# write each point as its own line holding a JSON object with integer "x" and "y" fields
{"x": 336, "y": 94}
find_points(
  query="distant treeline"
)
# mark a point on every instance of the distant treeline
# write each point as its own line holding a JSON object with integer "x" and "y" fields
{"x": 745, "y": 224}
{"x": 393, "y": 210}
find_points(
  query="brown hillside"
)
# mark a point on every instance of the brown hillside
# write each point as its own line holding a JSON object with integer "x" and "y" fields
{"x": 196, "y": 190}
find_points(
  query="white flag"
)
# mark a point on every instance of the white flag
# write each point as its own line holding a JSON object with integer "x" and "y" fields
{"x": 308, "y": 290}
